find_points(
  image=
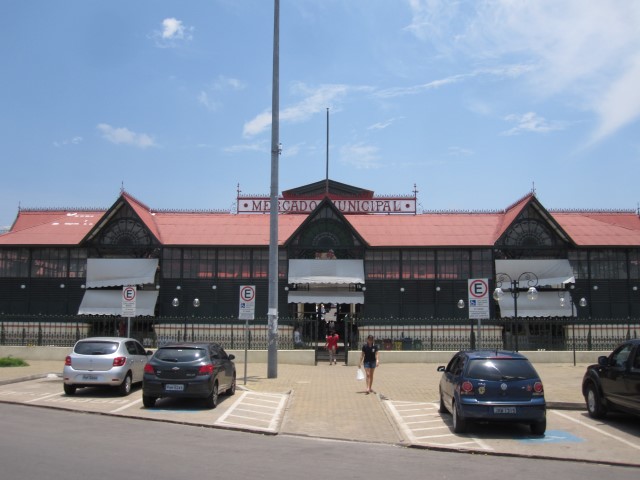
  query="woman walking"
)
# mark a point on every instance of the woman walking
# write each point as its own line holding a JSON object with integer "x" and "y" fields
{"x": 370, "y": 359}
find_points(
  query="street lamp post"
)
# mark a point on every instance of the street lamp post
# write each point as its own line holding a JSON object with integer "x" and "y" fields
{"x": 472, "y": 338}
{"x": 583, "y": 303}
{"x": 530, "y": 280}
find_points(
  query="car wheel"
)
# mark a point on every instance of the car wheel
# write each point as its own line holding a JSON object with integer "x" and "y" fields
{"x": 148, "y": 401}
{"x": 69, "y": 389}
{"x": 125, "y": 387}
{"x": 538, "y": 428}
{"x": 459, "y": 423}
{"x": 212, "y": 399}
{"x": 232, "y": 389}
{"x": 594, "y": 402}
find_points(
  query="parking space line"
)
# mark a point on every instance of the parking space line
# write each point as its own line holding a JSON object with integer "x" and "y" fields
{"x": 416, "y": 431}
{"x": 124, "y": 407}
{"x": 596, "y": 429}
{"x": 57, "y": 394}
{"x": 249, "y": 412}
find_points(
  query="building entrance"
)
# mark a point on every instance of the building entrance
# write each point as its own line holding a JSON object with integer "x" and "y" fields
{"x": 316, "y": 321}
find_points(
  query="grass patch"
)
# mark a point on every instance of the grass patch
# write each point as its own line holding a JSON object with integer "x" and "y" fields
{"x": 12, "y": 362}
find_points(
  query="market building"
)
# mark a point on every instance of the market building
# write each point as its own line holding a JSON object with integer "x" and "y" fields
{"x": 348, "y": 260}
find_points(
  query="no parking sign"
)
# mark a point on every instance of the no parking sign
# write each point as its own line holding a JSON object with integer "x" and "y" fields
{"x": 247, "y": 302}
{"x": 478, "y": 297}
{"x": 129, "y": 301}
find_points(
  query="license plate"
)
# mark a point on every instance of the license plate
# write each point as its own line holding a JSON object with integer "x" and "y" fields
{"x": 89, "y": 377}
{"x": 174, "y": 387}
{"x": 504, "y": 409}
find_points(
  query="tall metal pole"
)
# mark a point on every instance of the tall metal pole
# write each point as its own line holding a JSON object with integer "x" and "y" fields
{"x": 272, "y": 314}
{"x": 326, "y": 178}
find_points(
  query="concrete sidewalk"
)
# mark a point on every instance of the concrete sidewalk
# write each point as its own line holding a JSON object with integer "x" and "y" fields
{"x": 328, "y": 402}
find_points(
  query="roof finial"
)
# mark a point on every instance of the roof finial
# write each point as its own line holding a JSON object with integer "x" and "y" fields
{"x": 121, "y": 187}
{"x": 533, "y": 188}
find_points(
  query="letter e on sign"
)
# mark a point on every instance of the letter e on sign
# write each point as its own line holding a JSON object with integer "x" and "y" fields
{"x": 478, "y": 288}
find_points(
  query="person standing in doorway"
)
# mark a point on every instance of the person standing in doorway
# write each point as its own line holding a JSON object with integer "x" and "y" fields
{"x": 370, "y": 360}
{"x": 332, "y": 346}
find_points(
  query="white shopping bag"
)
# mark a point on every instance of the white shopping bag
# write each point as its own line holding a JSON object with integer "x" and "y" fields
{"x": 360, "y": 374}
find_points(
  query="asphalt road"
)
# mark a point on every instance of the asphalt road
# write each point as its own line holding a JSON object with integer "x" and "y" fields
{"x": 44, "y": 443}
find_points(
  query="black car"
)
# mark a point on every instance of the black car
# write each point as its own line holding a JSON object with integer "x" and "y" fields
{"x": 492, "y": 386}
{"x": 189, "y": 370}
{"x": 614, "y": 382}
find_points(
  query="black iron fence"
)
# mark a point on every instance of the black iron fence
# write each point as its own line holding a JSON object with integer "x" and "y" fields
{"x": 444, "y": 334}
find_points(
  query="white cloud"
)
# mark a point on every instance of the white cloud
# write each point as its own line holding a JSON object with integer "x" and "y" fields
{"x": 248, "y": 147}
{"x": 316, "y": 100}
{"x": 360, "y": 155}
{"x": 510, "y": 71}
{"x": 124, "y": 136}
{"x": 77, "y": 140}
{"x": 383, "y": 125}
{"x": 171, "y": 33}
{"x": 530, "y": 122}
{"x": 207, "y": 101}
{"x": 459, "y": 152}
{"x": 221, "y": 83}
{"x": 587, "y": 50}
{"x": 225, "y": 83}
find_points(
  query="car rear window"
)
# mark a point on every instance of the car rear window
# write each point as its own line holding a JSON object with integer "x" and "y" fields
{"x": 96, "y": 348}
{"x": 170, "y": 354}
{"x": 500, "y": 369}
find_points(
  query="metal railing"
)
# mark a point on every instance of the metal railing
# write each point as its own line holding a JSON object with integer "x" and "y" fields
{"x": 433, "y": 334}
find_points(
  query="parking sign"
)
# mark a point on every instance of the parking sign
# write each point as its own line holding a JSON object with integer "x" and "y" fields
{"x": 247, "y": 302}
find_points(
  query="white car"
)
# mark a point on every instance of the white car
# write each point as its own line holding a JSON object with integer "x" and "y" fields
{"x": 105, "y": 361}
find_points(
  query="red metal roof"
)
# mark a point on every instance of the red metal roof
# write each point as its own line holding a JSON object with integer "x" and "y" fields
{"x": 427, "y": 229}
{"x": 601, "y": 228}
{"x": 50, "y": 227}
{"x": 481, "y": 229}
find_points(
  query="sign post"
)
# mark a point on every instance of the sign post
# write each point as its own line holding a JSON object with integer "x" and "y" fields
{"x": 478, "y": 301}
{"x": 129, "y": 305}
{"x": 247, "y": 311}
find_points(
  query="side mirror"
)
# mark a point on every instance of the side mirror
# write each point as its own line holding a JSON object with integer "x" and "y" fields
{"x": 603, "y": 361}
{"x": 232, "y": 356}
{"x": 441, "y": 368}
{"x": 149, "y": 352}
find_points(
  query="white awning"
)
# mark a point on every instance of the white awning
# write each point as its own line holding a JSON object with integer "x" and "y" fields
{"x": 549, "y": 272}
{"x": 109, "y": 302}
{"x": 118, "y": 272}
{"x": 546, "y": 305}
{"x": 337, "y": 272}
{"x": 326, "y": 295}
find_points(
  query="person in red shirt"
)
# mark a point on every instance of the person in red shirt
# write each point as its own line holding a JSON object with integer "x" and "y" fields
{"x": 332, "y": 346}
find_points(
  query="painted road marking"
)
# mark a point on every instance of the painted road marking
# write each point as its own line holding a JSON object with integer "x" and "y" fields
{"x": 57, "y": 394}
{"x": 599, "y": 430}
{"x": 255, "y": 411}
{"x": 124, "y": 407}
{"x": 422, "y": 424}
{"x": 553, "y": 436}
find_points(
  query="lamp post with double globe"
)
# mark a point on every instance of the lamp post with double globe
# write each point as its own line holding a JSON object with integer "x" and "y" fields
{"x": 529, "y": 279}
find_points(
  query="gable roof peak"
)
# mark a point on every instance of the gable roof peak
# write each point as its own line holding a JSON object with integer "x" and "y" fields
{"x": 131, "y": 199}
{"x": 526, "y": 199}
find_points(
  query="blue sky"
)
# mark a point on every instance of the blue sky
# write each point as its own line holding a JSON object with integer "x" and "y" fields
{"x": 475, "y": 102}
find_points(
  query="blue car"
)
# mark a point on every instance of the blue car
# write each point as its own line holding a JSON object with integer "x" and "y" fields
{"x": 492, "y": 386}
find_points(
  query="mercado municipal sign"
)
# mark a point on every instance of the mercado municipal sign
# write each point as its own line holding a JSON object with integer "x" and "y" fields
{"x": 385, "y": 205}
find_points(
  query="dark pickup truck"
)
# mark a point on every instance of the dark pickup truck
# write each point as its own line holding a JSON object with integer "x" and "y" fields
{"x": 614, "y": 382}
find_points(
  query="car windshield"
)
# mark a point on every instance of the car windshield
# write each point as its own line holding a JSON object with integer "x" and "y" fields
{"x": 501, "y": 369}
{"x": 96, "y": 348}
{"x": 180, "y": 354}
